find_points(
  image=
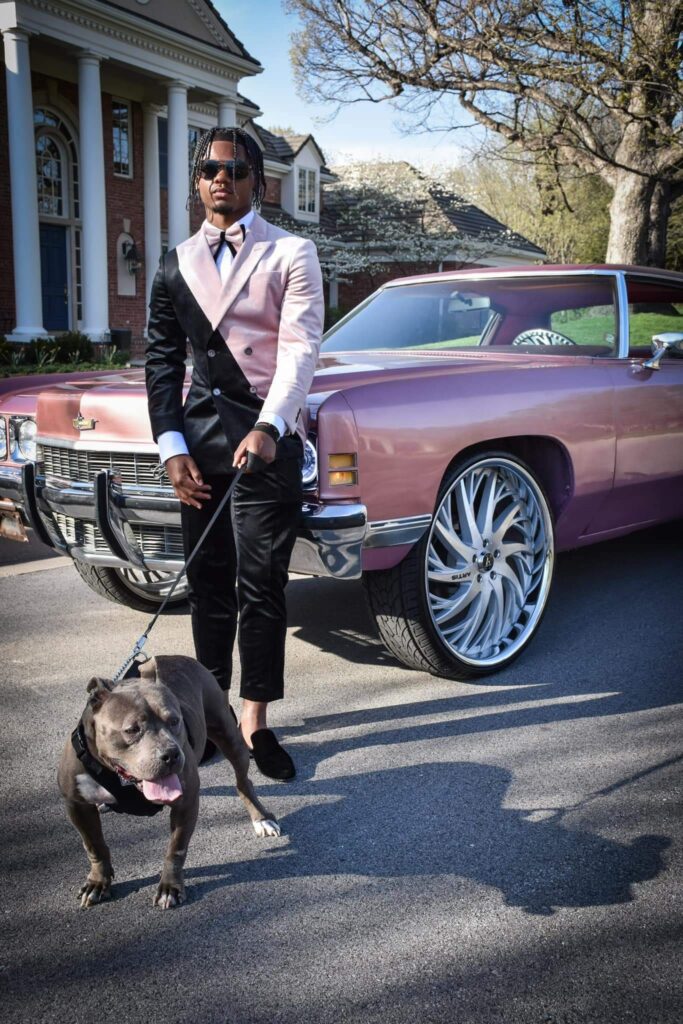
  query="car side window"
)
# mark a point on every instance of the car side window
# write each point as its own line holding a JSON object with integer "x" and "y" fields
{"x": 653, "y": 308}
{"x": 586, "y": 325}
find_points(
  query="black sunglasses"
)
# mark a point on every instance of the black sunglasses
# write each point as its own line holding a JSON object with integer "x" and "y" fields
{"x": 237, "y": 169}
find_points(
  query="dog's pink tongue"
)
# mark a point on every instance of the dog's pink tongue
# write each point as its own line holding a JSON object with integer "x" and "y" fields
{"x": 163, "y": 791}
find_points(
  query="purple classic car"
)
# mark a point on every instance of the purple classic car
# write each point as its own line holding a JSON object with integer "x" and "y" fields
{"x": 463, "y": 428}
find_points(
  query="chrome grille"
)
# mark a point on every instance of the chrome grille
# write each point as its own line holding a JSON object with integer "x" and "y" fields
{"x": 82, "y": 466}
{"x": 153, "y": 540}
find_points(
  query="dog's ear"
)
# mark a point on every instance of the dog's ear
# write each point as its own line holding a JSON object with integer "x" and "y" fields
{"x": 98, "y": 690}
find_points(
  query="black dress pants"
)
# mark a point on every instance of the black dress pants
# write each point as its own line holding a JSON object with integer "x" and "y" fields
{"x": 250, "y": 543}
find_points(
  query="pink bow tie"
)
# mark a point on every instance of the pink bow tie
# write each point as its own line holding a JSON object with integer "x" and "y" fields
{"x": 234, "y": 236}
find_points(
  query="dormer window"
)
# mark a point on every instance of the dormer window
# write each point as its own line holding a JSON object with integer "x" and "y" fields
{"x": 307, "y": 194}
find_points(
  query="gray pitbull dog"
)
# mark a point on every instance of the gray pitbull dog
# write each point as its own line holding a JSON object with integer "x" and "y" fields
{"x": 144, "y": 737}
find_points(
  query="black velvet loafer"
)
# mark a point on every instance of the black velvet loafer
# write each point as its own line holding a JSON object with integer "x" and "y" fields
{"x": 271, "y": 759}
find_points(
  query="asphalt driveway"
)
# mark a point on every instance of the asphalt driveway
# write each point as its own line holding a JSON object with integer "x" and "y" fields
{"x": 506, "y": 851}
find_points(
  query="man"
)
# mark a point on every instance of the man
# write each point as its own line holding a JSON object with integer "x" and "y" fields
{"x": 249, "y": 298}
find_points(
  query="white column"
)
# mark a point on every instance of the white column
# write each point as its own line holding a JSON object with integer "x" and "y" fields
{"x": 152, "y": 198}
{"x": 23, "y": 190}
{"x": 178, "y": 165}
{"x": 227, "y": 114}
{"x": 93, "y": 199}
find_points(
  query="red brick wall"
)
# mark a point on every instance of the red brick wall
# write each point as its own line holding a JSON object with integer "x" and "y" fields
{"x": 7, "y": 310}
{"x": 125, "y": 199}
{"x": 273, "y": 191}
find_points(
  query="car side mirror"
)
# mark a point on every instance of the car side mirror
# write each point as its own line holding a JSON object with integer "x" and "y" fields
{"x": 671, "y": 341}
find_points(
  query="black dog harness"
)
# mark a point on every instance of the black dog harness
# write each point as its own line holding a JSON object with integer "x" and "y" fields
{"x": 129, "y": 799}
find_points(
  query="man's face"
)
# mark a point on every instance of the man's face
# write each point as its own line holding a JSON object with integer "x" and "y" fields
{"x": 225, "y": 196}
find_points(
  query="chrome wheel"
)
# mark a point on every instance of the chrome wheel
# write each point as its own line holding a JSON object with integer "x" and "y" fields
{"x": 153, "y": 586}
{"x": 489, "y": 562}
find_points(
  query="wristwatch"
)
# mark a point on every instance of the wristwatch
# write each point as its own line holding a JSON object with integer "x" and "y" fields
{"x": 268, "y": 428}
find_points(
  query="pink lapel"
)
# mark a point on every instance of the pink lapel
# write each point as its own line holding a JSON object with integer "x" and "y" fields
{"x": 196, "y": 264}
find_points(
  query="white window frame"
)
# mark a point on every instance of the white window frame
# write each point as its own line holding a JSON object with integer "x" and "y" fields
{"x": 310, "y": 187}
{"x": 190, "y": 150}
{"x": 128, "y": 175}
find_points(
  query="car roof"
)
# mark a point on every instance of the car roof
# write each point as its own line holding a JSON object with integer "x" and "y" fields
{"x": 536, "y": 268}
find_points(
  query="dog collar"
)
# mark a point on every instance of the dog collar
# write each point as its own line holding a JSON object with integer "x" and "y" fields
{"x": 129, "y": 799}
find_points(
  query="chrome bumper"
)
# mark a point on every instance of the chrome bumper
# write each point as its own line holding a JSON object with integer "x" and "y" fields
{"x": 107, "y": 523}
{"x": 10, "y": 484}
{"x": 12, "y": 519}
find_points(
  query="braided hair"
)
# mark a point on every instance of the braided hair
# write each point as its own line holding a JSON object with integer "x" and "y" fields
{"x": 238, "y": 137}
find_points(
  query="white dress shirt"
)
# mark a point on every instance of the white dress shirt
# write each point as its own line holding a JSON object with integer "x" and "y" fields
{"x": 172, "y": 442}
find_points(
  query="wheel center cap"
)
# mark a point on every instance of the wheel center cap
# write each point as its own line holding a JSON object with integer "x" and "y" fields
{"x": 485, "y": 561}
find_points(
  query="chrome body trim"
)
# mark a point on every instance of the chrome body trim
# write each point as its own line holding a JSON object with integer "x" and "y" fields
{"x": 91, "y": 444}
{"x": 624, "y": 327}
{"x": 496, "y": 273}
{"x": 10, "y": 482}
{"x": 116, "y": 518}
{"x": 387, "y": 533}
{"x": 329, "y": 541}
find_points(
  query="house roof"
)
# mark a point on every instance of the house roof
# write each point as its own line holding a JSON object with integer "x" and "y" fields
{"x": 246, "y": 102}
{"x": 445, "y": 211}
{"x": 285, "y": 146}
{"x": 198, "y": 20}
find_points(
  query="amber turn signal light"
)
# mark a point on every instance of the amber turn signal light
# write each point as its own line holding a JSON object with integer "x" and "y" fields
{"x": 345, "y": 460}
{"x": 342, "y": 469}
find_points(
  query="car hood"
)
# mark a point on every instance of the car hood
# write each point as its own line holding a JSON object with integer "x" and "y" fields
{"x": 112, "y": 407}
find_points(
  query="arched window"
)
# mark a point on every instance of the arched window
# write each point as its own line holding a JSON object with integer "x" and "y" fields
{"x": 56, "y": 165}
{"x": 58, "y": 190}
{"x": 49, "y": 167}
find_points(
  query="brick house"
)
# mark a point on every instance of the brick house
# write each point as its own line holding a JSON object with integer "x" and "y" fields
{"x": 106, "y": 101}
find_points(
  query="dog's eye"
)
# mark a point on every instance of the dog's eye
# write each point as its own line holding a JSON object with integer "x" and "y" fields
{"x": 174, "y": 723}
{"x": 132, "y": 730}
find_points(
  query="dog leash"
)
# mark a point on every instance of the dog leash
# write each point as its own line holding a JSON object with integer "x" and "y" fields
{"x": 254, "y": 464}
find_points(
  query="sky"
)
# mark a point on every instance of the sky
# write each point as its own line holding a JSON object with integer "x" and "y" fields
{"x": 359, "y": 132}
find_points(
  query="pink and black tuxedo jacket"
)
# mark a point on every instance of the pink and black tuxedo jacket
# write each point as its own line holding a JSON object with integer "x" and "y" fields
{"x": 255, "y": 341}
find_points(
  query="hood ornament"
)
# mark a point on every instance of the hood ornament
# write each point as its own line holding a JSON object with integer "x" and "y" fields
{"x": 81, "y": 423}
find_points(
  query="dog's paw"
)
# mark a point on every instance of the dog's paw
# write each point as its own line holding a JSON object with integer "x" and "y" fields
{"x": 169, "y": 894}
{"x": 94, "y": 891}
{"x": 267, "y": 827}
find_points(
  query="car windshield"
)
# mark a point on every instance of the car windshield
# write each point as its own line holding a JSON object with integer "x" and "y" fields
{"x": 563, "y": 315}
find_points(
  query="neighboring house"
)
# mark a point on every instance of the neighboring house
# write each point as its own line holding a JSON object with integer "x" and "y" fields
{"x": 399, "y": 206}
{"x": 107, "y": 100}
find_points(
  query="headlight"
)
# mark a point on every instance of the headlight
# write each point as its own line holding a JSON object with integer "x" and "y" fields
{"x": 27, "y": 439}
{"x": 3, "y": 438}
{"x": 22, "y": 439}
{"x": 309, "y": 473}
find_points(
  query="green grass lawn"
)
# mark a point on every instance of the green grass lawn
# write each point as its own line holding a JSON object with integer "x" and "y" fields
{"x": 589, "y": 330}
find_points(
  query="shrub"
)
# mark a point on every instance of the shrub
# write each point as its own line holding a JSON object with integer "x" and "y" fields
{"x": 74, "y": 347}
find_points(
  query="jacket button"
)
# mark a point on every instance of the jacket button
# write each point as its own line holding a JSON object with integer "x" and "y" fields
{"x": 216, "y": 391}
{"x": 211, "y": 353}
{"x": 253, "y": 390}
{"x": 248, "y": 351}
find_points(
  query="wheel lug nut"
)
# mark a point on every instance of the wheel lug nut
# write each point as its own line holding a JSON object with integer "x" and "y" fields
{"x": 479, "y": 578}
{"x": 493, "y": 575}
{"x": 486, "y": 543}
{"x": 496, "y": 554}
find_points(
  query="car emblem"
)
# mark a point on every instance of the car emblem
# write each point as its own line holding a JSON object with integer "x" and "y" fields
{"x": 81, "y": 423}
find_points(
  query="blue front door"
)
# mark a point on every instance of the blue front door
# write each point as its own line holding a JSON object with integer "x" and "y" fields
{"x": 54, "y": 277}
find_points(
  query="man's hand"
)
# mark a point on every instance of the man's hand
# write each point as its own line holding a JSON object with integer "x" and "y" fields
{"x": 257, "y": 442}
{"x": 187, "y": 481}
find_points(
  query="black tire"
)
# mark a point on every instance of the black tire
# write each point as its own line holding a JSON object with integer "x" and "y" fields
{"x": 399, "y": 600}
{"x": 113, "y": 584}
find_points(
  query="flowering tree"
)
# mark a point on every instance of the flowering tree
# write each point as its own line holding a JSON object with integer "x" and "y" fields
{"x": 389, "y": 214}
{"x": 589, "y": 84}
